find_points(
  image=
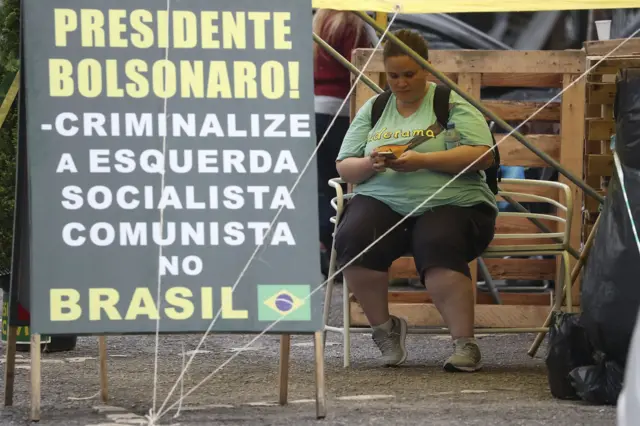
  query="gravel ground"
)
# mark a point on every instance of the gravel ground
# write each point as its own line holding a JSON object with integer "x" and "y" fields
{"x": 511, "y": 390}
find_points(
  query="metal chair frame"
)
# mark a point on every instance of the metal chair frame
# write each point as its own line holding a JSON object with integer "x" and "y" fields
{"x": 558, "y": 244}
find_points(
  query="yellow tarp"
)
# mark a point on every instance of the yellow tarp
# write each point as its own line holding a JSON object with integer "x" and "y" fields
{"x": 456, "y": 6}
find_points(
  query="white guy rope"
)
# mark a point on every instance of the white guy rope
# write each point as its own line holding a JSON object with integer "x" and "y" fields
{"x": 295, "y": 184}
{"x": 270, "y": 326}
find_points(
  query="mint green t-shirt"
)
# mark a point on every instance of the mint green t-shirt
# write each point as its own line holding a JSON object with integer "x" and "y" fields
{"x": 403, "y": 191}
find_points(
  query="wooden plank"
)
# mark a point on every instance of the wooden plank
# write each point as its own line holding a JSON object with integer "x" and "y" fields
{"x": 608, "y": 70}
{"x": 591, "y": 205}
{"x": 523, "y": 269}
{"x": 520, "y": 225}
{"x": 593, "y": 147}
{"x": 486, "y": 316}
{"x": 403, "y": 267}
{"x": 470, "y": 83}
{"x": 543, "y": 191}
{"x": 516, "y": 225}
{"x": 599, "y": 129}
{"x": 572, "y": 131}
{"x": 593, "y": 180}
{"x": 600, "y": 165}
{"x": 494, "y": 61}
{"x": 422, "y": 296}
{"x": 611, "y": 66}
{"x": 500, "y": 269}
{"x": 520, "y": 111}
{"x": 507, "y": 110}
{"x": 522, "y": 80}
{"x": 604, "y": 47}
{"x": 363, "y": 93}
{"x": 514, "y": 153}
{"x": 601, "y": 93}
{"x": 594, "y": 111}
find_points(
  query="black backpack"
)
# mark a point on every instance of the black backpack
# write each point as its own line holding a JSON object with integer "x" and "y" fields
{"x": 441, "y": 109}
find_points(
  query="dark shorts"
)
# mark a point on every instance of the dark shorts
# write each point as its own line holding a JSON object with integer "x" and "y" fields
{"x": 447, "y": 237}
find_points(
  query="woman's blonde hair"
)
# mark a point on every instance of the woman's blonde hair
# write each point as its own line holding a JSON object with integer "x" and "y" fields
{"x": 331, "y": 25}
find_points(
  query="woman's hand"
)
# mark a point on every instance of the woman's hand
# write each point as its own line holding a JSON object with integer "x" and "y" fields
{"x": 378, "y": 162}
{"x": 409, "y": 161}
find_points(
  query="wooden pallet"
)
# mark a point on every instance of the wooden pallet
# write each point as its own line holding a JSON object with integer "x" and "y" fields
{"x": 472, "y": 71}
{"x": 599, "y": 120}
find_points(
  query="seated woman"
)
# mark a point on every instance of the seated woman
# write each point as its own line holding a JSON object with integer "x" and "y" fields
{"x": 444, "y": 235}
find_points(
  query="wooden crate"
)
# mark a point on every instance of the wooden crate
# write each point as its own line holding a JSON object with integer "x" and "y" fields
{"x": 599, "y": 121}
{"x": 472, "y": 71}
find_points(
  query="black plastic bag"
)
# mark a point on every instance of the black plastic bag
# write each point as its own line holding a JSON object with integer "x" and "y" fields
{"x": 627, "y": 112}
{"x": 598, "y": 384}
{"x": 610, "y": 291}
{"x": 569, "y": 348}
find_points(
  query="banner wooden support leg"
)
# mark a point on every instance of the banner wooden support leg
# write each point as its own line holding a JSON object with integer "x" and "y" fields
{"x": 321, "y": 404}
{"x": 35, "y": 377}
{"x": 10, "y": 365}
{"x": 285, "y": 351}
{"x": 283, "y": 376}
{"x": 104, "y": 383}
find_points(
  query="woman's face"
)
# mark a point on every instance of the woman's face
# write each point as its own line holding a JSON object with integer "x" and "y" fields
{"x": 407, "y": 79}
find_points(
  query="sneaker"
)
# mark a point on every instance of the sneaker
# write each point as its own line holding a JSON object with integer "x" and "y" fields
{"x": 391, "y": 344}
{"x": 466, "y": 357}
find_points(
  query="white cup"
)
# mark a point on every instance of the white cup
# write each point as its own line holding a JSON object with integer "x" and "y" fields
{"x": 604, "y": 29}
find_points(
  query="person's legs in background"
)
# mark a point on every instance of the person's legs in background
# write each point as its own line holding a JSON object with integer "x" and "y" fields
{"x": 326, "y": 161}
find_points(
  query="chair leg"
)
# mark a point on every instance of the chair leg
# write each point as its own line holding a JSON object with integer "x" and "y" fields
{"x": 560, "y": 286}
{"x": 346, "y": 323}
{"x": 567, "y": 283}
{"x": 562, "y": 283}
{"x": 328, "y": 295}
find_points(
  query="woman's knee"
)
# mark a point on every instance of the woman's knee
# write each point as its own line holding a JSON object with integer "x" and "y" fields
{"x": 350, "y": 239}
{"x": 357, "y": 238}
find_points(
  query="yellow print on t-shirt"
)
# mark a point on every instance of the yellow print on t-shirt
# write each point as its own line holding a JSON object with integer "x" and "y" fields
{"x": 386, "y": 135}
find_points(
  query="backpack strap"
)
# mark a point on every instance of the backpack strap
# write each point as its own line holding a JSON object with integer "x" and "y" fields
{"x": 441, "y": 104}
{"x": 441, "y": 110}
{"x": 378, "y": 107}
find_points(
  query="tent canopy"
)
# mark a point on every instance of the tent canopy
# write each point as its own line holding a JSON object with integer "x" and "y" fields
{"x": 457, "y": 6}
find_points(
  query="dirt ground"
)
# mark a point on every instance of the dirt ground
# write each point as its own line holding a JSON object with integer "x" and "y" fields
{"x": 511, "y": 390}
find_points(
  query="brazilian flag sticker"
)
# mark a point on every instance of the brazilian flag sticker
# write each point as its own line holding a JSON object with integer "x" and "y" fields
{"x": 284, "y": 302}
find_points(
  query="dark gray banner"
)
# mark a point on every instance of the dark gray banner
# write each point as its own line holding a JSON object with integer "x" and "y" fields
{"x": 217, "y": 94}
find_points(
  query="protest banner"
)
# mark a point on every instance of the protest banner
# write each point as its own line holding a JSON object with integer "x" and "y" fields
{"x": 160, "y": 143}
{"x": 222, "y": 101}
